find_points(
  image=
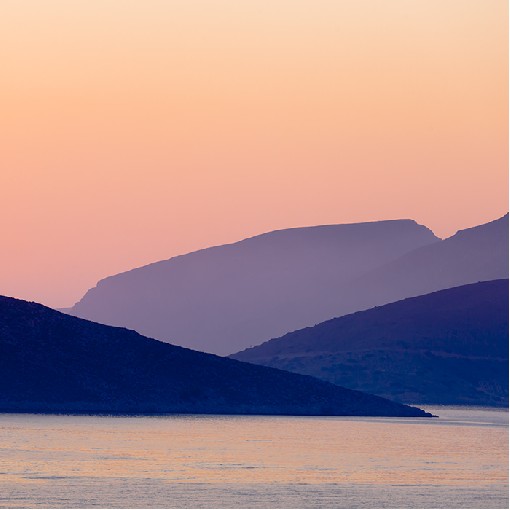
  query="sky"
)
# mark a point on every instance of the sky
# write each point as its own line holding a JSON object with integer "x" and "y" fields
{"x": 133, "y": 131}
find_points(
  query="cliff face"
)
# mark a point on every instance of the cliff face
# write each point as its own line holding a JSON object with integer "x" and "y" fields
{"x": 447, "y": 347}
{"x": 227, "y": 298}
{"x": 52, "y": 362}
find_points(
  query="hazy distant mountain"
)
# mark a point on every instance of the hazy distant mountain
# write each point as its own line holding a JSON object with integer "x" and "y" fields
{"x": 447, "y": 347}
{"x": 51, "y": 362}
{"x": 226, "y": 298}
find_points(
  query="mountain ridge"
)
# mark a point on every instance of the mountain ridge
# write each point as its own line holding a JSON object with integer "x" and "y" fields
{"x": 244, "y": 240}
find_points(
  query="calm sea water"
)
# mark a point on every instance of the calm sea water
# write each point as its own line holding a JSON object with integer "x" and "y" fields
{"x": 457, "y": 460}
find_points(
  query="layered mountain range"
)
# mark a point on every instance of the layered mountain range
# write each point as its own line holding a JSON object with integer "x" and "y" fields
{"x": 52, "y": 362}
{"x": 227, "y": 298}
{"x": 447, "y": 347}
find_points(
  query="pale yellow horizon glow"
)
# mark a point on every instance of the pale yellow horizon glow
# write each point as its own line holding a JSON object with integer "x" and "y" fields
{"x": 133, "y": 131}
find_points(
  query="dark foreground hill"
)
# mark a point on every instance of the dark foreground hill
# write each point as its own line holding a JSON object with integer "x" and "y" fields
{"x": 447, "y": 347}
{"x": 226, "y": 298}
{"x": 52, "y": 362}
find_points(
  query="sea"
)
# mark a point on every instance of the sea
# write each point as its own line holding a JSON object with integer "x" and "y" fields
{"x": 457, "y": 460}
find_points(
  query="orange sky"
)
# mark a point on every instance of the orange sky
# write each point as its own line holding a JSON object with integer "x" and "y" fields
{"x": 132, "y": 131}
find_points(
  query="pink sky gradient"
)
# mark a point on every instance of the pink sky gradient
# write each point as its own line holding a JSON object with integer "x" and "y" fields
{"x": 132, "y": 131}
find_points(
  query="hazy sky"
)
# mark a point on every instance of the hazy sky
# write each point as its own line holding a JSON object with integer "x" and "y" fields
{"x": 132, "y": 131}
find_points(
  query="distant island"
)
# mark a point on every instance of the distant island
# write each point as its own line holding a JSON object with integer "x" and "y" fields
{"x": 447, "y": 347}
{"x": 54, "y": 363}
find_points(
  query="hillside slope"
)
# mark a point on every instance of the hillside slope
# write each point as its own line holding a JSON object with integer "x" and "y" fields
{"x": 447, "y": 347}
{"x": 51, "y": 362}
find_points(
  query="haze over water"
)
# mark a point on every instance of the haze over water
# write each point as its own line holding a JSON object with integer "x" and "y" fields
{"x": 457, "y": 460}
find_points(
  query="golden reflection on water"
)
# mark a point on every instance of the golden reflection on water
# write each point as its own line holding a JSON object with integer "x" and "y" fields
{"x": 243, "y": 450}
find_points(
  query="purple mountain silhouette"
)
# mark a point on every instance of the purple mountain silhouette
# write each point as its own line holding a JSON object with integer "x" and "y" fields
{"x": 226, "y": 298}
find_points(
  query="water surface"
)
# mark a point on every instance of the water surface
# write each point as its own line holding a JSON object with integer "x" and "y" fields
{"x": 459, "y": 460}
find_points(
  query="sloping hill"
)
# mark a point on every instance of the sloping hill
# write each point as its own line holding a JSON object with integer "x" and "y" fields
{"x": 226, "y": 298}
{"x": 51, "y": 362}
{"x": 447, "y": 347}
